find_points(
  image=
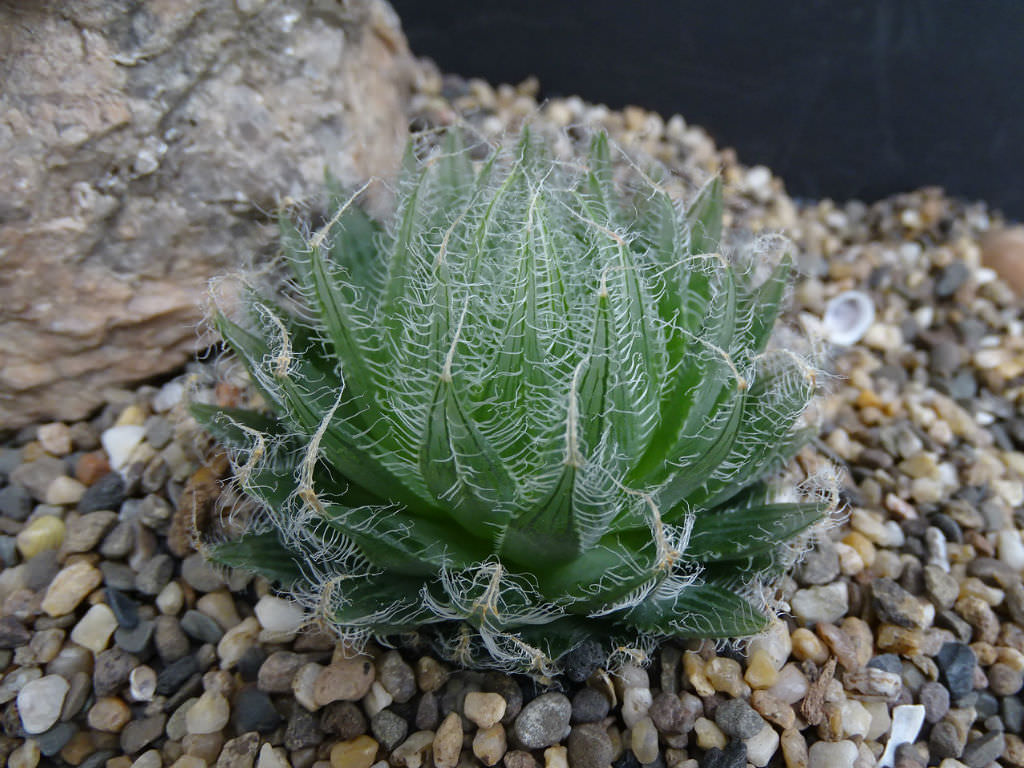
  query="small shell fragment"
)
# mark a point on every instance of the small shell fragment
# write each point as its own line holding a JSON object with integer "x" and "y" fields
{"x": 907, "y": 720}
{"x": 848, "y": 317}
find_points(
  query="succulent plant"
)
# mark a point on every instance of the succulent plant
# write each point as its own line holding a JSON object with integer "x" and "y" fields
{"x": 536, "y": 409}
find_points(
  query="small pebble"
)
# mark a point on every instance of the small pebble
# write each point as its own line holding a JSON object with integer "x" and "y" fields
{"x": 109, "y": 714}
{"x": 359, "y": 752}
{"x": 70, "y": 587}
{"x": 40, "y": 702}
{"x": 93, "y": 630}
{"x": 544, "y": 721}
{"x": 120, "y": 442}
{"x": 828, "y": 754}
{"x": 484, "y": 709}
{"x": 43, "y": 533}
{"x": 208, "y": 714}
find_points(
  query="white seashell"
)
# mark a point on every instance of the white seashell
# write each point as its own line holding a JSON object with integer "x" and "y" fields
{"x": 907, "y": 720}
{"x": 848, "y": 317}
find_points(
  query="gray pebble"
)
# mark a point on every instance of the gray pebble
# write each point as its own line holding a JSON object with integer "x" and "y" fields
{"x": 112, "y": 669}
{"x": 80, "y": 687}
{"x": 941, "y": 588}
{"x": 543, "y": 722}
{"x": 97, "y": 759}
{"x": 396, "y": 676}
{"x": 119, "y": 542}
{"x": 240, "y": 752}
{"x": 935, "y": 699}
{"x": 738, "y": 719}
{"x": 170, "y": 679}
{"x": 139, "y": 734}
{"x": 950, "y": 279}
{"x": 105, "y": 493}
{"x": 171, "y": 642}
{"x": 428, "y": 715}
{"x": 8, "y": 551}
{"x": 733, "y": 756}
{"x": 155, "y": 475}
{"x": 956, "y": 662}
{"x": 85, "y": 531}
{"x": 674, "y": 714}
{"x": 118, "y": 575}
{"x": 983, "y": 751}
{"x": 158, "y": 431}
{"x": 137, "y": 639}
{"x": 1012, "y": 711}
{"x": 52, "y": 741}
{"x": 388, "y": 728}
{"x": 893, "y": 604}
{"x": 154, "y": 574}
{"x": 201, "y": 627}
{"x": 36, "y": 476}
{"x": 820, "y": 565}
{"x": 13, "y": 634}
{"x": 125, "y": 609}
{"x": 196, "y": 571}
{"x": 15, "y": 502}
{"x": 41, "y": 569}
{"x": 590, "y": 706}
{"x": 278, "y": 671}
{"x": 10, "y": 458}
{"x": 155, "y": 511}
{"x": 344, "y": 719}
{"x": 945, "y": 741}
{"x": 252, "y": 710}
{"x": 302, "y": 731}
{"x": 589, "y": 746}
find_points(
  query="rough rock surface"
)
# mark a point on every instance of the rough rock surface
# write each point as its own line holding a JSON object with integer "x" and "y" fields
{"x": 144, "y": 147}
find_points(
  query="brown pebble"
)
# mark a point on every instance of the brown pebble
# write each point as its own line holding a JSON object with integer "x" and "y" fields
{"x": 109, "y": 714}
{"x": 91, "y": 466}
{"x": 448, "y": 741}
{"x": 1003, "y": 251}
{"x": 773, "y": 709}
{"x": 344, "y": 680}
{"x": 839, "y": 643}
{"x": 794, "y": 749}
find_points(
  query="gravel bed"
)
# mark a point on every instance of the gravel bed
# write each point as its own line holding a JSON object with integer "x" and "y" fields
{"x": 903, "y": 643}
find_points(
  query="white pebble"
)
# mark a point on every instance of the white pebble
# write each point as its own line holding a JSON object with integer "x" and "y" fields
{"x": 761, "y": 747}
{"x": 856, "y": 720}
{"x": 832, "y": 754}
{"x": 209, "y": 714}
{"x": 170, "y": 395}
{"x": 171, "y": 599}
{"x": 775, "y": 641}
{"x": 376, "y": 700}
{"x": 819, "y": 604}
{"x": 149, "y": 759}
{"x": 1011, "y": 549}
{"x": 848, "y": 317}
{"x": 93, "y": 630}
{"x": 120, "y": 442}
{"x": 278, "y": 615}
{"x": 39, "y": 703}
{"x": 142, "y": 683}
{"x": 272, "y": 758}
{"x": 55, "y": 438}
{"x": 64, "y": 490}
{"x": 635, "y": 704}
{"x": 237, "y": 641}
{"x": 907, "y": 720}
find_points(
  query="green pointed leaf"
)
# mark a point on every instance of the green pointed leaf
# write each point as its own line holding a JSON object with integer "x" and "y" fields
{"x": 260, "y": 552}
{"x": 728, "y": 534}
{"x": 704, "y": 610}
{"x": 704, "y": 217}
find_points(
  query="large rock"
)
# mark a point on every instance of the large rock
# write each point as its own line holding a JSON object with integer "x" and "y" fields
{"x": 145, "y": 147}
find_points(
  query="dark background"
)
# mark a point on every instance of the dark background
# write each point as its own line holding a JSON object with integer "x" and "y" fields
{"x": 841, "y": 98}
